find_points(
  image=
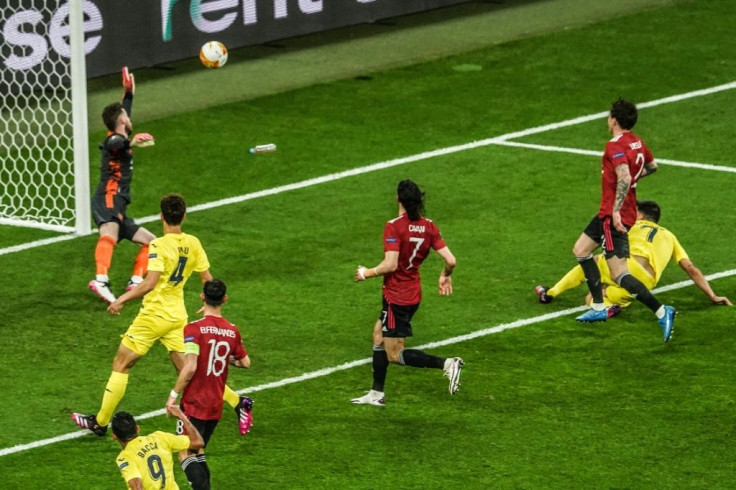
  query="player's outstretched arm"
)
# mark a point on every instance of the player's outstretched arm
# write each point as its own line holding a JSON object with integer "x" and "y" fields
{"x": 389, "y": 264}
{"x": 700, "y": 281}
{"x": 445, "y": 282}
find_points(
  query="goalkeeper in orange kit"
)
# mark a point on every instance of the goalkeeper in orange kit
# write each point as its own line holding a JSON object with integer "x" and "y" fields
{"x": 112, "y": 196}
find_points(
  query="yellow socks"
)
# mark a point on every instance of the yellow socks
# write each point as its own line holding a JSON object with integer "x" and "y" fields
{"x": 114, "y": 392}
{"x": 230, "y": 397}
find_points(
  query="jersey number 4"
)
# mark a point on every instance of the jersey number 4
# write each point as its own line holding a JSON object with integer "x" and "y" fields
{"x": 178, "y": 275}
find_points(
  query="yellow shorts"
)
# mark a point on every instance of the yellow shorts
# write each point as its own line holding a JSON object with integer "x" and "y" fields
{"x": 147, "y": 329}
{"x": 615, "y": 294}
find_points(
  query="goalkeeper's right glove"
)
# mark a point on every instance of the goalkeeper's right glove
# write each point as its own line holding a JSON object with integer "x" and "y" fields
{"x": 128, "y": 81}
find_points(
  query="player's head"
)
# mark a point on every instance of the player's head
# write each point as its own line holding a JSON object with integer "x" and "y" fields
{"x": 214, "y": 292}
{"x": 173, "y": 209}
{"x": 625, "y": 113}
{"x": 124, "y": 427}
{"x": 412, "y": 198}
{"x": 112, "y": 114}
{"x": 649, "y": 210}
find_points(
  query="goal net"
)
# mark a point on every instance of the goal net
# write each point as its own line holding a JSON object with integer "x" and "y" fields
{"x": 43, "y": 122}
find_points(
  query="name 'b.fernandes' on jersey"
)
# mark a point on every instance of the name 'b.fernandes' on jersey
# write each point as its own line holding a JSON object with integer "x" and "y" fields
{"x": 175, "y": 256}
{"x": 214, "y": 340}
{"x": 413, "y": 240}
{"x": 624, "y": 149}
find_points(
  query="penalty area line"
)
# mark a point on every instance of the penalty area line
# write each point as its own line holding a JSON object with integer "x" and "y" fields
{"x": 360, "y": 362}
{"x": 496, "y": 140}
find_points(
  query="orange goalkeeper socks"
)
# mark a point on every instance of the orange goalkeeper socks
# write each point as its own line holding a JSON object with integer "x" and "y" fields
{"x": 103, "y": 253}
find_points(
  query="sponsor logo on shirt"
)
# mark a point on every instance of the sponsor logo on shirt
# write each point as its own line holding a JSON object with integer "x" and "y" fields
{"x": 391, "y": 240}
{"x": 189, "y": 339}
{"x": 619, "y": 155}
{"x": 123, "y": 465}
{"x": 152, "y": 256}
{"x": 635, "y": 145}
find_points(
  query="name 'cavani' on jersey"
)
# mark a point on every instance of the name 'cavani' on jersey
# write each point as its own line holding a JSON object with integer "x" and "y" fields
{"x": 413, "y": 240}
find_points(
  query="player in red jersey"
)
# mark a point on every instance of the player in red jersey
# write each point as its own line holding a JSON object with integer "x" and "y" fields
{"x": 212, "y": 344}
{"x": 625, "y": 160}
{"x": 407, "y": 241}
{"x": 112, "y": 196}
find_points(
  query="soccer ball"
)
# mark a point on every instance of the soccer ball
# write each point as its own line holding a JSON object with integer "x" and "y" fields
{"x": 213, "y": 54}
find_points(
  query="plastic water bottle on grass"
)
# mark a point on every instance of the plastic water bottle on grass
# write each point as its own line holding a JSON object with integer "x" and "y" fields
{"x": 267, "y": 148}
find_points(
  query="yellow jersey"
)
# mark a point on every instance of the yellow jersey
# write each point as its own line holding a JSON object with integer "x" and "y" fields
{"x": 149, "y": 458}
{"x": 175, "y": 256}
{"x": 657, "y": 244}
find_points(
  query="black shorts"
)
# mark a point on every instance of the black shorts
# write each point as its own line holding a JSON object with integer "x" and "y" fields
{"x": 613, "y": 242}
{"x": 116, "y": 214}
{"x": 396, "y": 319}
{"x": 205, "y": 427}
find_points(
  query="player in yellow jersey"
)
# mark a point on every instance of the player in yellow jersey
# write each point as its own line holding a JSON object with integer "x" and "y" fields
{"x": 145, "y": 461}
{"x": 651, "y": 248}
{"x": 172, "y": 259}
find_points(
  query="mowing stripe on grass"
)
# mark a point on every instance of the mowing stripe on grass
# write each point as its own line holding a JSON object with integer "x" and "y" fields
{"x": 498, "y": 140}
{"x": 348, "y": 365}
{"x": 578, "y": 151}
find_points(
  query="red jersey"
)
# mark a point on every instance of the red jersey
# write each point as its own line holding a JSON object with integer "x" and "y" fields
{"x": 628, "y": 149}
{"x": 218, "y": 339}
{"x": 413, "y": 240}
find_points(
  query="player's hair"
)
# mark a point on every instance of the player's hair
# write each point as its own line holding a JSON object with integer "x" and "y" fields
{"x": 625, "y": 113}
{"x": 214, "y": 292}
{"x": 173, "y": 208}
{"x": 649, "y": 209}
{"x": 412, "y": 198}
{"x": 124, "y": 426}
{"x": 110, "y": 115}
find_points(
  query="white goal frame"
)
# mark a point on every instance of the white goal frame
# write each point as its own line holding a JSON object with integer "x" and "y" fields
{"x": 62, "y": 219}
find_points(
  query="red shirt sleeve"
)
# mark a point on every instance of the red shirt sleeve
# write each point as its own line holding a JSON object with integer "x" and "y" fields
{"x": 391, "y": 242}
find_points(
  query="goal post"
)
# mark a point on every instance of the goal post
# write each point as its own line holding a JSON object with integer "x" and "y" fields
{"x": 44, "y": 149}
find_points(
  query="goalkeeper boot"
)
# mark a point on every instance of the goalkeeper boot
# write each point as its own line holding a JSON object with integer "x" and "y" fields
{"x": 593, "y": 315}
{"x": 102, "y": 289}
{"x": 244, "y": 412}
{"x": 453, "y": 366}
{"x": 667, "y": 323}
{"x": 373, "y": 397}
{"x": 89, "y": 422}
{"x": 134, "y": 281}
{"x": 542, "y": 293}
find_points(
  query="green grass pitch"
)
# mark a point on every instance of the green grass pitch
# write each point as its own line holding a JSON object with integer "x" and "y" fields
{"x": 549, "y": 404}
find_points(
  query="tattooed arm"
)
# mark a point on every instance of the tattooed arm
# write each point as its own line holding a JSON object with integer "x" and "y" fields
{"x": 623, "y": 184}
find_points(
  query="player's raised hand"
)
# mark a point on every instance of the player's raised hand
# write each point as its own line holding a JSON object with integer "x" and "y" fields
{"x": 445, "y": 285}
{"x": 128, "y": 81}
{"x": 141, "y": 140}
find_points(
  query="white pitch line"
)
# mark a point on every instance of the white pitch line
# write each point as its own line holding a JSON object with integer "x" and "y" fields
{"x": 601, "y": 115}
{"x": 579, "y": 151}
{"x": 348, "y": 365}
{"x": 392, "y": 163}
